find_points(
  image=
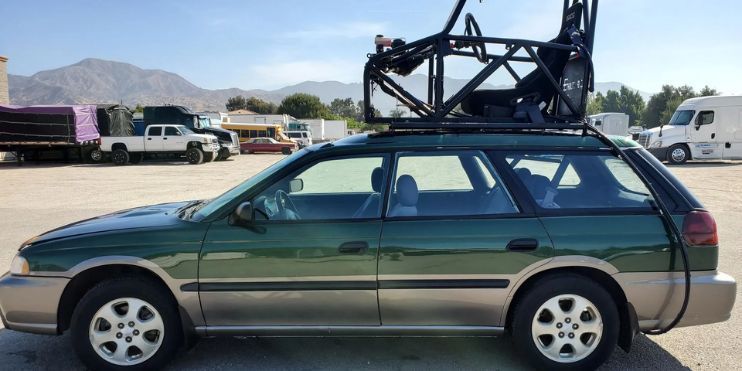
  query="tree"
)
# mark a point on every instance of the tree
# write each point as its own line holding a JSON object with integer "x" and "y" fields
{"x": 301, "y": 105}
{"x": 361, "y": 117}
{"x": 707, "y": 92}
{"x": 344, "y": 108}
{"x": 236, "y": 103}
{"x": 625, "y": 101}
{"x": 397, "y": 113}
{"x": 258, "y": 105}
{"x": 139, "y": 108}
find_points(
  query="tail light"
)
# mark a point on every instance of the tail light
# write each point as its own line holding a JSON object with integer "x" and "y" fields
{"x": 699, "y": 229}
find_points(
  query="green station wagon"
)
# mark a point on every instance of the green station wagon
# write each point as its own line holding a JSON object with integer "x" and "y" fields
{"x": 550, "y": 236}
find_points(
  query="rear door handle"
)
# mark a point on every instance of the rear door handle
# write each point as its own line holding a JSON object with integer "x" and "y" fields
{"x": 353, "y": 247}
{"x": 523, "y": 244}
{"x": 165, "y": 138}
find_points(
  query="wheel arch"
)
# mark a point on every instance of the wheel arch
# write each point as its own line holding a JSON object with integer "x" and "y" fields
{"x": 119, "y": 145}
{"x": 193, "y": 143}
{"x": 86, "y": 275}
{"x": 593, "y": 269}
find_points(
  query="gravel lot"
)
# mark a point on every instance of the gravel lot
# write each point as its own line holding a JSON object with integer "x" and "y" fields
{"x": 36, "y": 198}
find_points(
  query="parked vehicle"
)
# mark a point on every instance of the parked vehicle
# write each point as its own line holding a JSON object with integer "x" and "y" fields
{"x": 551, "y": 237}
{"x": 611, "y": 123}
{"x": 247, "y": 131}
{"x": 327, "y": 130}
{"x": 706, "y": 128}
{"x": 302, "y": 138}
{"x": 215, "y": 118}
{"x": 27, "y": 130}
{"x": 159, "y": 139}
{"x": 179, "y": 115}
{"x": 267, "y": 145}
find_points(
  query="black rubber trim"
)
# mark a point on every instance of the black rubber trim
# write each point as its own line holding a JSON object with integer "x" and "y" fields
{"x": 280, "y": 286}
{"x": 344, "y": 285}
{"x": 445, "y": 284}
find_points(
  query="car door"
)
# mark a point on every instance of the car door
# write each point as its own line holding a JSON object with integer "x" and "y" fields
{"x": 153, "y": 140}
{"x": 308, "y": 258}
{"x": 173, "y": 140}
{"x": 454, "y": 241}
{"x": 705, "y": 136}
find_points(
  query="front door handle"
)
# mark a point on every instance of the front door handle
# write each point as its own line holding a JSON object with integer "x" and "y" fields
{"x": 523, "y": 244}
{"x": 354, "y": 247}
{"x": 165, "y": 138}
{"x": 149, "y": 138}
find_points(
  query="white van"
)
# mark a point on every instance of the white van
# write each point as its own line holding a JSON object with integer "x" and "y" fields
{"x": 302, "y": 137}
{"x": 706, "y": 128}
{"x": 611, "y": 123}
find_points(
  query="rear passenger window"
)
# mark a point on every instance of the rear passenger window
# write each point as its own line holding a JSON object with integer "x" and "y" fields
{"x": 580, "y": 181}
{"x": 155, "y": 131}
{"x": 447, "y": 183}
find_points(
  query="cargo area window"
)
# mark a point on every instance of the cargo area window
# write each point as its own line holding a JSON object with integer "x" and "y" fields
{"x": 579, "y": 181}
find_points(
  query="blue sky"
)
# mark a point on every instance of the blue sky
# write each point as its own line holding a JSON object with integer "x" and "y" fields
{"x": 270, "y": 44}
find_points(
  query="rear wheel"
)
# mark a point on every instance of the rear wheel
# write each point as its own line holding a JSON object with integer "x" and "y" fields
{"x": 96, "y": 155}
{"x": 124, "y": 324}
{"x": 678, "y": 154}
{"x": 120, "y": 157}
{"x": 566, "y": 322}
{"x": 195, "y": 155}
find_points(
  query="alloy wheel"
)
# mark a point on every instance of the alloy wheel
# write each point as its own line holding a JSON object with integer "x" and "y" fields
{"x": 126, "y": 331}
{"x": 567, "y": 328}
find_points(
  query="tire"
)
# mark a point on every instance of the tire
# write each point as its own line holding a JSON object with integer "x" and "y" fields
{"x": 120, "y": 157}
{"x": 159, "y": 333}
{"x": 95, "y": 156}
{"x": 194, "y": 155}
{"x": 678, "y": 154}
{"x": 545, "y": 309}
{"x": 223, "y": 154}
{"x": 136, "y": 158}
{"x": 286, "y": 150}
{"x": 209, "y": 156}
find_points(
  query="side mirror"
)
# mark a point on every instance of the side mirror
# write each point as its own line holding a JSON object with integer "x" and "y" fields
{"x": 242, "y": 215}
{"x": 296, "y": 185}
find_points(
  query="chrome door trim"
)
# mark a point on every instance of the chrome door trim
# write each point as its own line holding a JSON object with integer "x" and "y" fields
{"x": 342, "y": 331}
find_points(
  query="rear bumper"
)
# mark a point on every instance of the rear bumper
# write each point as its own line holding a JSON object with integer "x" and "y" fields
{"x": 29, "y": 304}
{"x": 660, "y": 153}
{"x": 657, "y": 297}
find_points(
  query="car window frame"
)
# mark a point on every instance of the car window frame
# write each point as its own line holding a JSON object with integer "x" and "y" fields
{"x": 386, "y": 160}
{"x": 521, "y": 212}
{"x": 521, "y": 192}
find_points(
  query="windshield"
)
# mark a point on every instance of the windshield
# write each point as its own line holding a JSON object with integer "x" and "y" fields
{"x": 185, "y": 131}
{"x": 218, "y": 202}
{"x": 682, "y": 117}
{"x": 294, "y": 135}
{"x": 205, "y": 122}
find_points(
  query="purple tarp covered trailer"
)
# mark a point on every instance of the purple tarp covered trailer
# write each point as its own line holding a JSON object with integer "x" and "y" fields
{"x": 48, "y": 125}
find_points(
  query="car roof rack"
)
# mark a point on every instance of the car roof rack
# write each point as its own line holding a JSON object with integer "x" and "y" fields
{"x": 552, "y": 96}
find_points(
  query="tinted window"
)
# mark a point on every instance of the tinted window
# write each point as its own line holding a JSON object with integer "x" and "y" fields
{"x": 682, "y": 117}
{"x": 594, "y": 181}
{"x": 447, "y": 183}
{"x": 705, "y": 118}
{"x": 155, "y": 131}
{"x": 169, "y": 130}
{"x": 345, "y": 188}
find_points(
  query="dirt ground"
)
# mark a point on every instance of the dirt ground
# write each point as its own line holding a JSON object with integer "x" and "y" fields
{"x": 36, "y": 198}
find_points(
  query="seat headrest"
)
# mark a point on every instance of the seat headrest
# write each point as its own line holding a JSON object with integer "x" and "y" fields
{"x": 407, "y": 192}
{"x": 523, "y": 173}
{"x": 538, "y": 185}
{"x": 573, "y": 16}
{"x": 377, "y": 178}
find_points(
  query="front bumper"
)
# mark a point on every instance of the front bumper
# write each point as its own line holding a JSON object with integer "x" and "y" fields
{"x": 660, "y": 153}
{"x": 233, "y": 149}
{"x": 658, "y": 296}
{"x": 30, "y": 303}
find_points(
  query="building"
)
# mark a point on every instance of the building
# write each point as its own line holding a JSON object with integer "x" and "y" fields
{"x": 4, "y": 94}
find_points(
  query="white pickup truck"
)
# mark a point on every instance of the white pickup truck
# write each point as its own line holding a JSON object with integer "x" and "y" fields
{"x": 171, "y": 139}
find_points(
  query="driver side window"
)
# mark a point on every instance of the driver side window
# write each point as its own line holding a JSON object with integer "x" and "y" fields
{"x": 336, "y": 188}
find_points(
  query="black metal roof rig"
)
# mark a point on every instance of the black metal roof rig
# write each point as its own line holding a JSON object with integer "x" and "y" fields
{"x": 552, "y": 96}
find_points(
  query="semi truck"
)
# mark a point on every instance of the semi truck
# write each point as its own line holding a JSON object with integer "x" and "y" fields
{"x": 229, "y": 143}
{"x": 705, "y": 128}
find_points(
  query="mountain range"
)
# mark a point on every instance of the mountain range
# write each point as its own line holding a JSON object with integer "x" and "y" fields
{"x": 100, "y": 81}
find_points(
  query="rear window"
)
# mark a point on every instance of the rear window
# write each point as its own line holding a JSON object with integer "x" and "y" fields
{"x": 580, "y": 181}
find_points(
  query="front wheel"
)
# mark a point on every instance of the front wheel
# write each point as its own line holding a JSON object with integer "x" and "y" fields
{"x": 223, "y": 154}
{"x": 566, "y": 322}
{"x": 678, "y": 154}
{"x": 126, "y": 324}
{"x": 286, "y": 150}
{"x": 194, "y": 155}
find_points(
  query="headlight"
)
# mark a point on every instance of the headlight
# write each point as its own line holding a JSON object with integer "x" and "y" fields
{"x": 657, "y": 144}
{"x": 19, "y": 266}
